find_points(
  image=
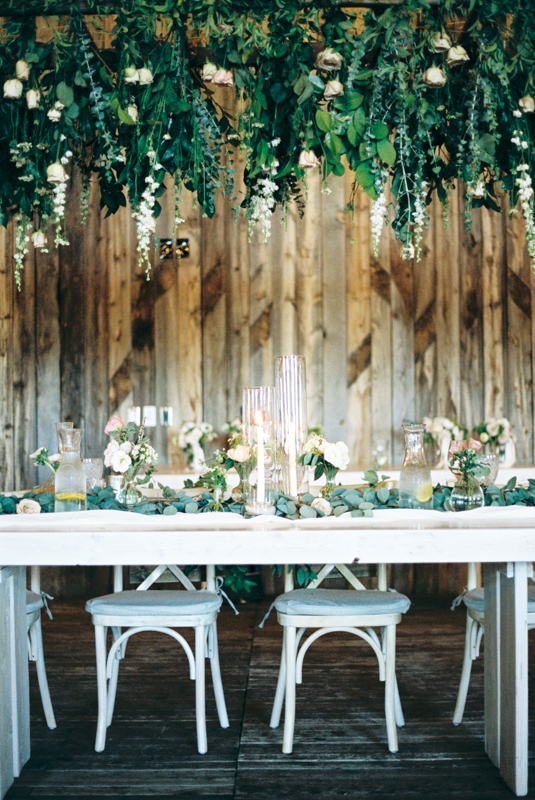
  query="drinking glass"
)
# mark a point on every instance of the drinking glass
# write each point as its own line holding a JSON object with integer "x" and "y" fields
{"x": 94, "y": 470}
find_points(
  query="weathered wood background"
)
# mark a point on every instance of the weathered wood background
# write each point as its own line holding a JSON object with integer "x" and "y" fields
{"x": 384, "y": 339}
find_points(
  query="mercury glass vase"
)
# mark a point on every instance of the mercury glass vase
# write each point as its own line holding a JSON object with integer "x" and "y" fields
{"x": 290, "y": 389}
{"x": 415, "y": 487}
{"x": 259, "y": 436}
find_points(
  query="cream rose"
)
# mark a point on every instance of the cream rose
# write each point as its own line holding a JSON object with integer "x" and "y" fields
{"x": 321, "y": 504}
{"x": 333, "y": 89}
{"x": 13, "y": 89}
{"x": 308, "y": 159}
{"x": 54, "y": 114}
{"x": 120, "y": 461}
{"x": 527, "y": 104}
{"x": 456, "y": 55}
{"x": 493, "y": 427}
{"x": 55, "y": 173}
{"x": 28, "y": 506}
{"x": 22, "y": 70}
{"x": 113, "y": 424}
{"x": 208, "y": 71}
{"x": 328, "y": 60}
{"x": 240, "y": 453}
{"x": 440, "y": 42}
{"x": 33, "y": 98}
{"x": 484, "y": 437}
{"x": 145, "y": 76}
{"x": 434, "y": 76}
{"x": 55, "y": 458}
{"x": 37, "y": 452}
{"x": 112, "y": 448}
{"x": 131, "y": 75}
{"x": 337, "y": 454}
{"x": 39, "y": 239}
{"x": 222, "y": 77}
{"x": 133, "y": 112}
{"x": 126, "y": 447}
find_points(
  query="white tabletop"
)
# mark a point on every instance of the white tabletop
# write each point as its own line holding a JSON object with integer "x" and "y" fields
{"x": 394, "y": 536}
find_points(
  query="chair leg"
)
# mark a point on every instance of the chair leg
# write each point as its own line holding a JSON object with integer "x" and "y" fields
{"x": 200, "y": 709}
{"x": 216, "y": 677}
{"x": 390, "y": 684}
{"x": 400, "y": 719}
{"x": 281, "y": 685}
{"x": 41, "y": 676}
{"x": 112, "y": 683}
{"x": 289, "y": 699}
{"x": 466, "y": 672}
{"x": 100, "y": 646}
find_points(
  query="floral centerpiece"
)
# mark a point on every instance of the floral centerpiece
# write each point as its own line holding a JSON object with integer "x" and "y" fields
{"x": 128, "y": 453}
{"x": 41, "y": 458}
{"x": 240, "y": 457}
{"x": 496, "y": 435}
{"x": 326, "y": 458}
{"x": 439, "y": 432}
{"x": 470, "y": 469}
{"x": 192, "y": 437}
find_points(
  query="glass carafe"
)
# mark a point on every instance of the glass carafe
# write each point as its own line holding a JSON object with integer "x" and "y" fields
{"x": 70, "y": 488}
{"x": 415, "y": 487}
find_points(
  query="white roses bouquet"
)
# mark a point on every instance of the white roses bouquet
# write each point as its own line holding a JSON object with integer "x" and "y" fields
{"x": 325, "y": 457}
{"x": 192, "y": 437}
{"x": 129, "y": 451}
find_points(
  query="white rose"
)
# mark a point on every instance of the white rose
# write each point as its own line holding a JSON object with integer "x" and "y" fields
{"x": 493, "y": 427}
{"x": 479, "y": 190}
{"x": 333, "y": 89}
{"x": 109, "y": 451}
{"x": 54, "y": 114}
{"x": 504, "y": 422}
{"x": 206, "y": 427}
{"x": 321, "y": 504}
{"x": 120, "y": 461}
{"x": 447, "y": 423}
{"x": 456, "y": 55}
{"x": 54, "y": 458}
{"x": 434, "y": 76}
{"x": 131, "y": 75}
{"x": 55, "y": 173}
{"x": 37, "y": 452}
{"x": 328, "y": 60}
{"x": 126, "y": 447}
{"x": 13, "y": 89}
{"x": 22, "y": 70}
{"x": 208, "y": 71}
{"x": 527, "y": 104}
{"x": 39, "y": 239}
{"x": 240, "y": 453}
{"x": 308, "y": 159}
{"x": 440, "y": 42}
{"x": 337, "y": 454}
{"x": 33, "y": 98}
{"x": 133, "y": 112}
{"x": 222, "y": 77}
{"x": 145, "y": 76}
{"x": 28, "y": 506}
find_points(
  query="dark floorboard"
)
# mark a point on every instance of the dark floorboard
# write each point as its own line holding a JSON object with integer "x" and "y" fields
{"x": 340, "y": 739}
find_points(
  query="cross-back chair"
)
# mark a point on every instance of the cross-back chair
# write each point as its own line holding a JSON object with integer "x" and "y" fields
{"x": 474, "y": 600}
{"x": 334, "y": 610}
{"x": 139, "y": 610}
{"x": 34, "y": 603}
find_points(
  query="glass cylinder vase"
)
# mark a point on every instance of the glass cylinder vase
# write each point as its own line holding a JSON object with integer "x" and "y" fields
{"x": 290, "y": 384}
{"x": 70, "y": 481}
{"x": 415, "y": 487}
{"x": 259, "y": 436}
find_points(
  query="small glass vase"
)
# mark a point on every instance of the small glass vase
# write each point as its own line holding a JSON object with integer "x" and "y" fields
{"x": 415, "y": 487}
{"x": 327, "y": 490}
{"x": 128, "y": 494}
{"x": 467, "y": 494}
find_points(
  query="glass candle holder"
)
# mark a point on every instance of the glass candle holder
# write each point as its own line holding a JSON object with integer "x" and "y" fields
{"x": 290, "y": 384}
{"x": 259, "y": 436}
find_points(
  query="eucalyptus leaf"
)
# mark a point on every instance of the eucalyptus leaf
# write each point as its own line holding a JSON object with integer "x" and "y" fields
{"x": 323, "y": 121}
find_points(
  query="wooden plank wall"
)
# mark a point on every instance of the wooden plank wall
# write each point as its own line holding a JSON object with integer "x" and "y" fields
{"x": 384, "y": 339}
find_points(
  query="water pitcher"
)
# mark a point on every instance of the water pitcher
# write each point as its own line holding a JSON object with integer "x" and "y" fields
{"x": 70, "y": 491}
{"x": 415, "y": 487}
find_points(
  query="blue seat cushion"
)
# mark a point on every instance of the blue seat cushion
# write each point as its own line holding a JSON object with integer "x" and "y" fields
{"x": 341, "y": 602}
{"x": 475, "y": 599}
{"x": 33, "y": 602}
{"x": 155, "y": 603}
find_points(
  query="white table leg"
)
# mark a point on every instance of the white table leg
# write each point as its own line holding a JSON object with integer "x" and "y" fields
{"x": 14, "y": 688}
{"x": 491, "y": 582}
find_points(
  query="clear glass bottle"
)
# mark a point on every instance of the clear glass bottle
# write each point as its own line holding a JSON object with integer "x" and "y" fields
{"x": 70, "y": 483}
{"x": 415, "y": 487}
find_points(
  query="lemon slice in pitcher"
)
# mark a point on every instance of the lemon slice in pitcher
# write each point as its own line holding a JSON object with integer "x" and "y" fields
{"x": 424, "y": 493}
{"x": 70, "y": 496}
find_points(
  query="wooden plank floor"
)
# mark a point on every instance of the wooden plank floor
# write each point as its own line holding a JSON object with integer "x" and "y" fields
{"x": 340, "y": 742}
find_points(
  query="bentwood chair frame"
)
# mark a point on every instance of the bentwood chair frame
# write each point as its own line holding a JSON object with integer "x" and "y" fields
{"x": 34, "y": 604}
{"x": 361, "y": 625}
{"x": 204, "y": 624}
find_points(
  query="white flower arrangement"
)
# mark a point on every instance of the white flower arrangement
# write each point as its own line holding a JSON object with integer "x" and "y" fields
{"x": 129, "y": 451}
{"x": 326, "y": 458}
{"x": 192, "y": 436}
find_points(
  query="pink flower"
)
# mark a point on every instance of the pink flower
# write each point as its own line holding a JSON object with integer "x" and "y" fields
{"x": 308, "y": 159}
{"x": 471, "y": 444}
{"x": 222, "y": 77}
{"x": 113, "y": 424}
{"x": 474, "y": 444}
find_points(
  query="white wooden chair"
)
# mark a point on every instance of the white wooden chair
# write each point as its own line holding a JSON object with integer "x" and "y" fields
{"x": 34, "y": 603}
{"x": 140, "y": 610}
{"x": 474, "y": 600}
{"x": 330, "y": 610}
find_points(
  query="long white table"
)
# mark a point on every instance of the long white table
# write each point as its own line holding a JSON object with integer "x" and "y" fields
{"x": 503, "y": 539}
